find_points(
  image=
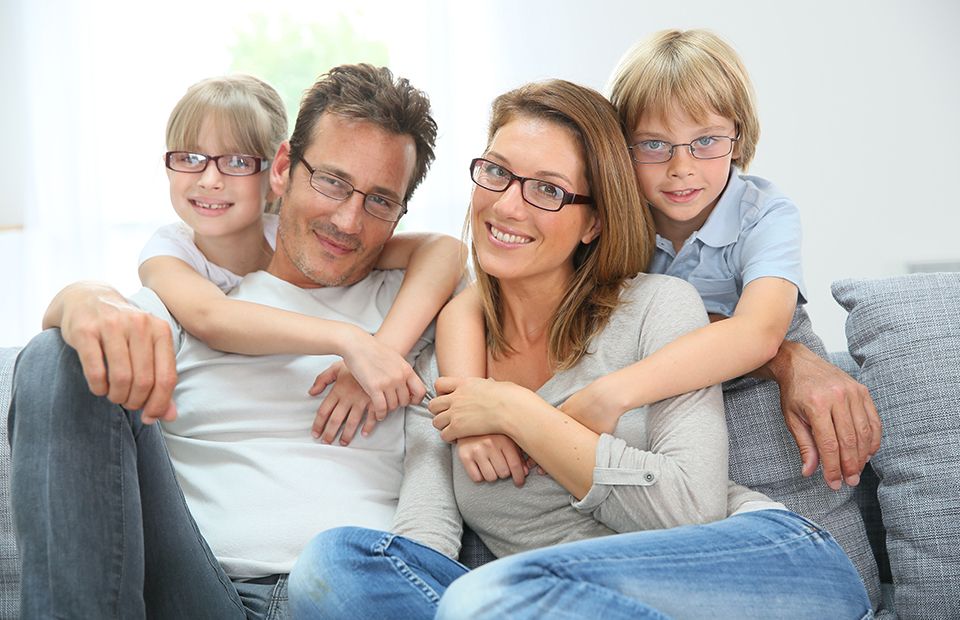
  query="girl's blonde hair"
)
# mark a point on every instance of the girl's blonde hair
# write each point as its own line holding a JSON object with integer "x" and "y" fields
{"x": 247, "y": 112}
{"x": 625, "y": 243}
{"x": 695, "y": 70}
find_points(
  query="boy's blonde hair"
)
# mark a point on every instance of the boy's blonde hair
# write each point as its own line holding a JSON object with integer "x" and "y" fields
{"x": 247, "y": 111}
{"x": 626, "y": 240}
{"x": 695, "y": 70}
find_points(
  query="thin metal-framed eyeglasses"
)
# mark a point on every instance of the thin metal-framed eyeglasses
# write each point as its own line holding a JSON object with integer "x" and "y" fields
{"x": 231, "y": 164}
{"x": 704, "y": 147}
{"x": 332, "y": 186}
{"x": 536, "y": 192}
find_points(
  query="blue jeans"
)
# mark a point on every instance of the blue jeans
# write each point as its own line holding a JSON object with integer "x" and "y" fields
{"x": 762, "y": 564}
{"x": 102, "y": 525}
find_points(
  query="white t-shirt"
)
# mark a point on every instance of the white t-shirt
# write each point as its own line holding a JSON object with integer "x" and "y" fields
{"x": 176, "y": 240}
{"x": 257, "y": 483}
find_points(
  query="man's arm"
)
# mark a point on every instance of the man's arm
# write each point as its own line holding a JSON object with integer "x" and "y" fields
{"x": 126, "y": 353}
{"x": 831, "y": 416}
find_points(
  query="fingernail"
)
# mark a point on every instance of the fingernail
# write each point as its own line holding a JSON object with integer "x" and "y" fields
{"x": 834, "y": 484}
{"x": 315, "y": 434}
{"x": 853, "y": 480}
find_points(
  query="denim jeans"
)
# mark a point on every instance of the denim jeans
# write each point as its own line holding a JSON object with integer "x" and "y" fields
{"x": 102, "y": 525}
{"x": 765, "y": 564}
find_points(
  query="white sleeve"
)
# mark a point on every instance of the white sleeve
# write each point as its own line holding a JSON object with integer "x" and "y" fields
{"x": 146, "y": 299}
{"x": 174, "y": 240}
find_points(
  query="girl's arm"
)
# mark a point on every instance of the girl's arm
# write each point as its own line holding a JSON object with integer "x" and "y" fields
{"x": 434, "y": 266}
{"x": 710, "y": 355}
{"x": 461, "y": 337}
{"x": 254, "y": 329}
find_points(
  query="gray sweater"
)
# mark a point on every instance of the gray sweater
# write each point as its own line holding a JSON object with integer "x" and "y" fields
{"x": 665, "y": 464}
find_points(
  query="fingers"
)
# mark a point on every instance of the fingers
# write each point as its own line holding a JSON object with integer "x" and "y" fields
{"x": 142, "y": 354}
{"x": 445, "y": 385}
{"x": 350, "y": 425}
{"x": 868, "y": 418}
{"x": 368, "y": 423}
{"x": 116, "y": 351}
{"x": 323, "y": 414}
{"x": 159, "y": 403}
{"x": 828, "y": 445}
{"x": 805, "y": 444}
{"x": 335, "y": 421}
{"x": 418, "y": 391}
{"x": 515, "y": 465}
{"x": 92, "y": 360}
{"x": 324, "y": 379}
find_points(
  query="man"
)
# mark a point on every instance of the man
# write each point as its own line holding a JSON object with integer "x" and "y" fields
{"x": 115, "y": 518}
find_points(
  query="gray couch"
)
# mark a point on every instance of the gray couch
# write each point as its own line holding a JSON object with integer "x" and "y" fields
{"x": 904, "y": 345}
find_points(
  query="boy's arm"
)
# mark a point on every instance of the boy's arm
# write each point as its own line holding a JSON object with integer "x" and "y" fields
{"x": 126, "y": 353}
{"x": 710, "y": 355}
{"x": 832, "y": 417}
{"x": 434, "y": 265}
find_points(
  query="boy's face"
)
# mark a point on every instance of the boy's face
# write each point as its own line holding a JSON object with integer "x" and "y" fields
{"x": 682, "y": 191}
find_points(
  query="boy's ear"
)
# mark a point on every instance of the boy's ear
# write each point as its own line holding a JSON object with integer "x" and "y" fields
{"x": 280, "y": 170}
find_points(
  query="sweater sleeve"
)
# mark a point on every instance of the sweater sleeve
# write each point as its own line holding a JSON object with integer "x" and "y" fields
{"x": 680, "y": 476}
{"x": 427, "y": 510}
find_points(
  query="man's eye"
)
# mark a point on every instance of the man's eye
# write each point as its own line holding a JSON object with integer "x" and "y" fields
{"x": 331, "y": 181}
{"x": 378, "y": 201}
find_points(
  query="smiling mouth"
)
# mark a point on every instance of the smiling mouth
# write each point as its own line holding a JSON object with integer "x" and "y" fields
{"x": 683, "y": 195}
{"x": 333, "y": 247}
{"x": 211, "y": 206}
{"x": 504, "y": 237}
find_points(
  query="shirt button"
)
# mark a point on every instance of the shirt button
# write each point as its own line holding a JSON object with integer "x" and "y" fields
{"x": 648, "y": 477}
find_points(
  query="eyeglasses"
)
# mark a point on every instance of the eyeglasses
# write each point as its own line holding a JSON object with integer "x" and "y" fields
{"x": 541, "y": 194}
{"x": 704, "y": 147}
{"x": 332, "y": 186}
{"x": 231, "y": 164}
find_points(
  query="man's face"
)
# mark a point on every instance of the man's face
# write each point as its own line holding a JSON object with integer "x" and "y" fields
{"x": 325, "y": 242}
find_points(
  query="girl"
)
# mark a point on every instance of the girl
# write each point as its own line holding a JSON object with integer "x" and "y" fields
{"x": 220, "y": 137}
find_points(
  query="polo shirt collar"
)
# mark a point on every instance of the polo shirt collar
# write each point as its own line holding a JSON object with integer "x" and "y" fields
{"x": 722, "y": 227}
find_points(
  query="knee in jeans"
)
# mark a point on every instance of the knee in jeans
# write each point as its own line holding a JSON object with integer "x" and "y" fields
{"x": 324, "y": 561}
{"x": 475, "y": 595}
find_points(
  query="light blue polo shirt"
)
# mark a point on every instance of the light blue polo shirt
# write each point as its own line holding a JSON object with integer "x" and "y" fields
{"x": 753, "y": 232}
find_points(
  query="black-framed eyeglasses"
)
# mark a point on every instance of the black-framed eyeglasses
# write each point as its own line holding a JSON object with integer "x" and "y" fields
{"x": 332, "y": 186}
{"x": 231, "y": 164}
{"x": 704, "y": 147}
{"x": 539, "y": 193}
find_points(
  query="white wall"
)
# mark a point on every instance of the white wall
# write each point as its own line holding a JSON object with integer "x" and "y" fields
{"x": 858, "y": 104}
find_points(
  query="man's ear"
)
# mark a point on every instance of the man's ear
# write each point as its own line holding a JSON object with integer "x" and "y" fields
{"x": 280, "y": 170}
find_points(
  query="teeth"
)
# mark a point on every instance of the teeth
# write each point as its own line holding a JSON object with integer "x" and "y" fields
{"x": 508, "y": 238}
{"x": 207, "y": 205}
{"x": 685, "y": 192}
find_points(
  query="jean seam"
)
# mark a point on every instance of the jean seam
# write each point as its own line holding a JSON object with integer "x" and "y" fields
{"x": 380, "y": 548}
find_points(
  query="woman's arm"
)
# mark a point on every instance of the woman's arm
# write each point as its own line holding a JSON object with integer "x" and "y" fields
{"x": 708, "y": 356}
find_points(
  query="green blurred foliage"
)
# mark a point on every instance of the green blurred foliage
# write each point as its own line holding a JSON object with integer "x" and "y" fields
{"x": 291, "y": 54}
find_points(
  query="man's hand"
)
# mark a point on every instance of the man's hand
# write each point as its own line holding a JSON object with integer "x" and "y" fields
{"x": 831, "y": 416}
{"x": 126, "y": 353}
{"x": 492, "y": 457}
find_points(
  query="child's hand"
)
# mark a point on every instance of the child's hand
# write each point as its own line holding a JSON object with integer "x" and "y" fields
{"x": 343, "y": 407}
{"x": 492, "y": 457}
{"x": 384, "y": 375}
{"x": 596, "y": 406}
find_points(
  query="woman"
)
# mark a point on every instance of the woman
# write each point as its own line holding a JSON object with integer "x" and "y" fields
{"x": 558, "y": 233}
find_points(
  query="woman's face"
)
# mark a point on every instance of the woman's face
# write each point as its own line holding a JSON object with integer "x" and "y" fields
{"x": 514, "y": 240}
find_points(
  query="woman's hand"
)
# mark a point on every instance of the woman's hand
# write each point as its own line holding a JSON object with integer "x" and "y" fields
{"x": 343, "y": 407}
{"x": 467, "y": 407}
{"x": 492, "y": 457}
{"x": 384, "y": 375}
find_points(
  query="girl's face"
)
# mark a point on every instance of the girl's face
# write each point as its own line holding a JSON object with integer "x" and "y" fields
{"x": 683, "y": 191}
{"x": 515, "y": 240}
{"x": 214, "y": 204}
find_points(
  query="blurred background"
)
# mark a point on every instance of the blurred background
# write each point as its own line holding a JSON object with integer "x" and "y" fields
{"x": 858, "y": 105}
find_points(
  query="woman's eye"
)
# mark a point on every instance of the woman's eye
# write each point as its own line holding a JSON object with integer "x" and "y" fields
{"x": 549, "y": 190}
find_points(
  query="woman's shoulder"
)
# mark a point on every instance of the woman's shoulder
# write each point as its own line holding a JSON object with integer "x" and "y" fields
{"x": 650, "y": 286}
{"x": 655, "y": 299}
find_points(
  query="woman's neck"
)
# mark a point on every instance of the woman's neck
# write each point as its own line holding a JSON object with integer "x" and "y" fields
{"x": 243, "y": 252}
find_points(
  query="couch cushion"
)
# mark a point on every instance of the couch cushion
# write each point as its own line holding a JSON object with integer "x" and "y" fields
{"x": 764, "y": 457}
{"x": 904, "y": 332}
{"x": 9, "y": 558}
